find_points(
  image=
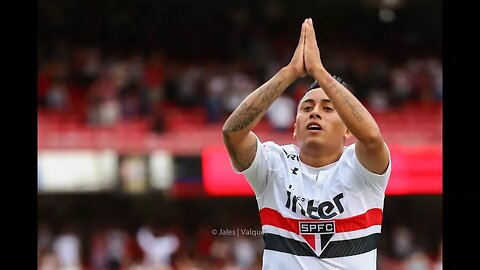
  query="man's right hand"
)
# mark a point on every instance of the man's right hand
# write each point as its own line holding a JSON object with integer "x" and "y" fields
{"x": 313, "y": 63}
{"x": 297, "y": 64}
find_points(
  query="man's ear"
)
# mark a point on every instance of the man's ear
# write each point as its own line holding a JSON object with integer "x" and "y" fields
{"x": 347, "y": 134}
{"x": 295, "y": 130}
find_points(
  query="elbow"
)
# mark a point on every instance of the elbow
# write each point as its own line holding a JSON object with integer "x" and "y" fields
{"x": 374, "y": 141}
{"x": 226, "y": 131}
{"x": 227, "y": 127}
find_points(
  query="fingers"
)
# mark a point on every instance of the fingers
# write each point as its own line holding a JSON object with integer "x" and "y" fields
{"x": 297, "y": 61}
{"x": 301, "y": 41}
{"x": 310, "y": 32}
{"x": 302, "y": 33}
{"x": 311, "y": 51}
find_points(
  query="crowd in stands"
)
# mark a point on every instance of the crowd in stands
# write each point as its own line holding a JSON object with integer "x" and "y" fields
{"x": 107, "y": 88}
{"x": 116, "y": 249}
{"x": 151, "y": 233}
{"x": 168, "y": 248}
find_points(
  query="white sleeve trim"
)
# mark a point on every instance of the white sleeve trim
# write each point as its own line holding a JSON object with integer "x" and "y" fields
{"x": 377, "y": 181}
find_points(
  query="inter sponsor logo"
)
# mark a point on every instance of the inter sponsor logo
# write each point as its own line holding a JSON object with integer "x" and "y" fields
{"x": 323, "y": 210}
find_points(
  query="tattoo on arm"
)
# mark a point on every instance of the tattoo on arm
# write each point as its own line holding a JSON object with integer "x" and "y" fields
{"x": 247, "y": 113}
{"x": 244, "y": 117}
{"x": 247, "y": 154}
{"x": 346, "y": 99}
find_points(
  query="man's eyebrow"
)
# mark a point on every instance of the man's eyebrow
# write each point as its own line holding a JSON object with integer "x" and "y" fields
{"x": 313, "y": 101}
{"x": 308, "y": 100}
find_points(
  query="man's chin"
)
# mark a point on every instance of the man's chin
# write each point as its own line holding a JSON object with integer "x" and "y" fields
{"x": 313, "y": 141}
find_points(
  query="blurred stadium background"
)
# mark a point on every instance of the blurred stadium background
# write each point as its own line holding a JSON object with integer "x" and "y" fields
{"x": 132, "y": 96}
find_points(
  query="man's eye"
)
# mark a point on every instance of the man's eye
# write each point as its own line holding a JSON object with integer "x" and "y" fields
{"x": 328, "y": 109}
{"x": 307, "y": 108}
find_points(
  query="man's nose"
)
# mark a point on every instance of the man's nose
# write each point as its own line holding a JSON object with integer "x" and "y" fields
{"x": 315, "y": 115}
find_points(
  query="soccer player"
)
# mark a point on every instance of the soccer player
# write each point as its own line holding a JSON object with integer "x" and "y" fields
{"x": 320, "y": 201}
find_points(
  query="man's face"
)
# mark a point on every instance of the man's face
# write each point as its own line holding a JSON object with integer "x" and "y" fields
{"x": 317, "y": 121}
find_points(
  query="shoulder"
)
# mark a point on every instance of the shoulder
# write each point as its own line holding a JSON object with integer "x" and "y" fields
{"x": 349, "y": 156}
{"x": 349, "y": 150}
{"x": 279, "y": 152}
{"x": 350, "y": 153}
{"x": 286, "y": 149}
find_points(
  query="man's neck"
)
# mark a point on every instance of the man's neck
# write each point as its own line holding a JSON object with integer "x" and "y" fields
{"x": 318, "y": 156}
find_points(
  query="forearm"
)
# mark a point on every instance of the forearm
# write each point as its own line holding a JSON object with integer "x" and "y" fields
{"x": 355, "y": 116}
{"x": 247, "y": 115}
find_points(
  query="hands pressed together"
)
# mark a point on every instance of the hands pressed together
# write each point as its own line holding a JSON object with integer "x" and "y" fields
{"x": 306, "y": 58}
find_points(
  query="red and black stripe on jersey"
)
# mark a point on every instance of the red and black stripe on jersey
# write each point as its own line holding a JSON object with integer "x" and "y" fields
{"x": 332, "y": 249}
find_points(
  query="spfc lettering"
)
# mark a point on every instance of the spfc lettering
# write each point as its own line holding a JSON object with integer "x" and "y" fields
{"x": 317, "y": 234}
{"x": 317, "y": 227}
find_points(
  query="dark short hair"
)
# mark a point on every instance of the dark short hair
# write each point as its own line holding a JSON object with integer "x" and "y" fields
{"x": 340, "y": 80}
{"x": 314, "y": 85}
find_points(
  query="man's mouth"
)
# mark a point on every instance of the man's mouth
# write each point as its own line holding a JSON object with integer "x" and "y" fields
{"x": 314, "y": 126}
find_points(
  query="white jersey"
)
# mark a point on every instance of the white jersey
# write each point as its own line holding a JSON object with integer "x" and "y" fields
{"x": 317, "y": 218}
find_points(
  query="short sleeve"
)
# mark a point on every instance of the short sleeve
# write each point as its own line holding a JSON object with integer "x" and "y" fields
{"x": 266, "y": 159}
{"x": 378, "y": 182}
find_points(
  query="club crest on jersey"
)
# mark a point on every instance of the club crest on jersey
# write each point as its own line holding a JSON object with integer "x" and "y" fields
{"x": 317, "y": 233}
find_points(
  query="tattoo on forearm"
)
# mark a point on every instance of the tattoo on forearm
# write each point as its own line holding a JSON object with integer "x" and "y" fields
{"x": 247, "y": 113}
{"x": 244, "y": 157}
{"x": 346, "y": 99}
{"x": 243, "y": 117}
